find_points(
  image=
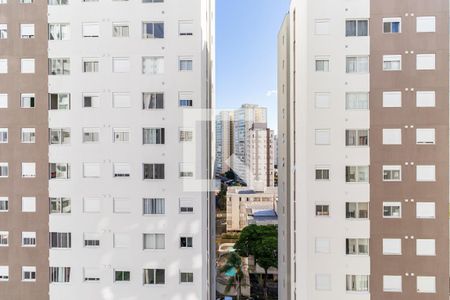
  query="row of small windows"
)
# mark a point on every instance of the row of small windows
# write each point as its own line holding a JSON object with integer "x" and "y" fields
{"x": 391, "y": 210}
{"x": 66, "y": 2}
{"x": 151, "y": 65}
{"x": 391, "y": 136}
{"x": 121, "y": 205}
{"x": 424, "y": 173}
{"x": 391, "y": 283}
{"x": 390, "y": 99}
{"x": 62, "y": 101}
{"x": 63, "y": 274}
{"x": 360, "y": 27}
{"x": 360, "y": 64}
{"x": 59, "y": 136}
{"x": 94, "y": 170}
{"x": 150, "y": 241}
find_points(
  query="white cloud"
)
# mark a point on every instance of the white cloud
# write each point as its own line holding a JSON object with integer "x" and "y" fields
{"x": 271, "y": 93}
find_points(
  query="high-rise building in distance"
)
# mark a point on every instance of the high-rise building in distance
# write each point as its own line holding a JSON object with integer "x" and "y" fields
{"x": 105, "y": 149}
{"x": 364, "y": 150}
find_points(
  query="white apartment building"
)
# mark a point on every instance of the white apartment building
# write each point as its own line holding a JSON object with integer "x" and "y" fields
{"x": 364, "y": 216}
{"x": 127, "y": 134}
{"x": 259, "y": 156}
{"x": 224, "y": 141}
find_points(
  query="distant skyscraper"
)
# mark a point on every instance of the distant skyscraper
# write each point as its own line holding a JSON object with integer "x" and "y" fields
{"x": 224, "y": 141}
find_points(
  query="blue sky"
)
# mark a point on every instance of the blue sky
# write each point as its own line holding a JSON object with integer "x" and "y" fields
{"x": 246, "y": 53}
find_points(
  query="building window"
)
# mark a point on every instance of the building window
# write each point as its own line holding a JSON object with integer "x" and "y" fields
{"x": 28, "y": 204}
{"x": 91, "y": 240}
{"x": 425, "y": 99}
{"x": 186, "y": 170}
{"x": 185, "y": 99}
{"x": 27, "y": 66}
{"x": 186, "y": 277}
{"x": 58, "y": 2}
{"x": 91, "y": 100}
{"x": 356, "y": 28}
{"x": 152, "y": 1}
{"x": 59, "y": 66}
{"x": 154, "y": 276}
{"x": 322, "y": 173}
{"x": 425, "y": 210}
{"x": 322, "y": 245}
{"x": 59, "y": 101}
{"x": 357, "y": 283}
{"x": 121, "y": 205}
{"x": 28, "y": 274}
{"x": 26, "y": 31}
{"x": 392, "y": 210}
{"x": 152, "y": 30}
{"x": 121, "y": 30}
{"x": 392, "y": 284}
{"x": 91, "y": 135}
{"x": 4, "y": 273}
{"x": 392, "y": 173}
{"x": 357, "y": 64}
{"x": 27, "y": 100}
{"x": 28, "y": 170}
{"x": 392, "y": 62}
{"x": 121, "y": 100}
{"x": 58, "y": 32}
{"x": 426, "y": 24}
{"x": 426, "y": 284}
{"x": 392, "y": 25}
{"x": 359, "y": 101}
{"x": 152, "y": 101}
{"x": 90, "y": 65}
{"x": 322, "y": 210}
{"x": 425, "y": 136}
{"x": 28, "y": 135}
{"x": 154, "y": 171}
{"x": 426, "y": 173}
{"x": 60, "y": 240}
{"x": 3, "y": 135}
{"x": 323, "y": 136}
{"x": 392, "y": 99}
{"x": 4, "y": 169}
{"x": 120, "y": 276}
{"x": 186, "y": 135}
{"x": 59, "y": 136}
{"x": 59, "y": 171}
{"x": 60, "y": 205}
{"x": 3, "y": 66}
{"x": 322, "y": 65}
{"x": 121, "y": 240}
{"x": 357, "y": 174}
{"x": 357, "y": 210}
{"x": 321, "y": 26}
{"x": 185, "y": 64}
{"x": 91, "y": 170}
{"x": 186, "y": 242}
{"x": 4, "y": 238}
{"x": 425, "y": 247}
{"x": 153, "y": 65}
{"x": 91, "y": 30}
{"x": 186, "y": 28}
{"x": 3, "y": 31}
{"x": 392, "y": 247}
{"x": 186, "y": 206}
{"x": 3, "y": 100}
{"x": 357, "y": 246}
{"x": 121, "y": 135}
{"x": 121, "y": 170}
{"x": 392, "y": 136}
{"x": 91, "y": 274}
{"x": 154, "y": 241}
{"x": 4, "y": 204}
{"x": 153, "y": 206}
{"x": 153, "y": 136}
{"x": 357, "y": 137}
{"x": 426, "y": 62}
{"x": 59, "y": 274}
{"x": 121, "y": 64}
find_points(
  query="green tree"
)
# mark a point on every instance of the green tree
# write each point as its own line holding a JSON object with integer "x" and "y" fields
{"x": 234, "y": 261}
{"x": 261, "y": 242}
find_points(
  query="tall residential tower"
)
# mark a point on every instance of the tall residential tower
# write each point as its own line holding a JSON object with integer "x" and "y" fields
{"x": 364, "y": 150}
{"x": 105, "y": 154}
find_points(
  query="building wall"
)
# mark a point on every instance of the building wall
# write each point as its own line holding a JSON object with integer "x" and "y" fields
{"x": 224, "y": 141}
{"x": 107, "y": 221}
{"x": 14, "y": 118}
